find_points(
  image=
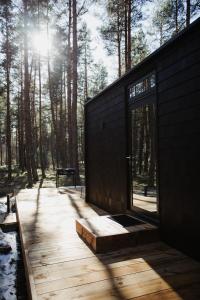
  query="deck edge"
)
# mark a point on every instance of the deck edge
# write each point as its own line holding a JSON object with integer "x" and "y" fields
{"x": 31, "y": 290}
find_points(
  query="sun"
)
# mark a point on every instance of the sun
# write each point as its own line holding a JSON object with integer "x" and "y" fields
{"x": 41, "y": 43}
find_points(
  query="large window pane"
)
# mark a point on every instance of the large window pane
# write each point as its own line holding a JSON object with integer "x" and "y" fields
{"x": 143, "y": 159}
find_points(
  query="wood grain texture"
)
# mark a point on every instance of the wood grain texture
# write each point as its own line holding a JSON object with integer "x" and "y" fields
{"x": 59, "y": 265}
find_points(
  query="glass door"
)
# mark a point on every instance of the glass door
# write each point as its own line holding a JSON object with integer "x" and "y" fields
{"x": 143, "y": 159}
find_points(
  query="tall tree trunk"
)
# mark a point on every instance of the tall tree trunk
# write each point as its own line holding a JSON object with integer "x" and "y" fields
{"x": 176, "y": 17}
{"x": 69, "y": 91}
{"x": 34, "y": 119}
{"x": 119, "y": 45}
{"x": 53, "y": 116}
{"x": 62, "y": 125}
{"x": 188, "y": 12}
{"x": 40, "y": 120}
{"x": 86, "y": 75}
{"x": 125, "y": 35}
{"x": 74, "y": 94}
{"x": 161, "y": 33}
{"x": 129, "y": 36}
{"x": 65, "y": 118}
{"x": 27, "y": 102}
{"x": 40, "y": 105}
{"x": 8, "y": 118}
{"x": 57, "y": 136}
{"x": 21, "y": 148}
{"x": 52, "y": 148}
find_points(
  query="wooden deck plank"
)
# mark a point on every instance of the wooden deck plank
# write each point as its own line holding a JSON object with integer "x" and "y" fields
{"x": 60, "y": 266}
{"x": 93, "y": 264}
{"x": 130, "y": 288}
{"x": 92, "y": 275}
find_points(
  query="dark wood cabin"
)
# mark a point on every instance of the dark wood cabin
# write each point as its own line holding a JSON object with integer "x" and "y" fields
{"x": 142, "y": 142}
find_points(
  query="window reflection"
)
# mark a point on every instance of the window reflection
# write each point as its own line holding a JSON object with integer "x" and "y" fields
{"x": 143, "y": 158}
{"x": 142, "y": 86}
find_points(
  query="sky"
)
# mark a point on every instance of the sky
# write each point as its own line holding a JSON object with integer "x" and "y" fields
{"x": 94, "y": 22}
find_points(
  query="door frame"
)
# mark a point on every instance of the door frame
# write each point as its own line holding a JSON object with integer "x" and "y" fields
{"x": 147, "y": 98}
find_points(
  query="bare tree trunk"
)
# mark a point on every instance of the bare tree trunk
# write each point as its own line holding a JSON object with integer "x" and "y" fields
{"x": 53, "y": 116}
{"x": 69, "y": 91}
{"x": 65, "y": 118}
{"x": 21, "y": 124}
{"x": 125, "y": 34}
{"x": 61, "y": 138}
{"x": 40, "y": 105}
{"x": 8, "y": 117}
{"x": 57, "y": 138}
{"x": 86, "y": 75}
{"x": 118, "y": 45}
{"x": 188, "y": 12}
{"x": 161, "y": 34}
{"x": 27, "y": 102}
{"x": 176, "y": 17}
{"x": 16, "y": 148}
{"x": 129, "y": 36}
{"x": 52, "y": 148}
{"x": 40, "y": 121}
{"x": 74, "y": 94}
{"x": 34, "y": 119}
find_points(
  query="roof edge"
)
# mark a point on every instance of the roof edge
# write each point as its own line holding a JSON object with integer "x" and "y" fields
{"x": 148, "y": 58}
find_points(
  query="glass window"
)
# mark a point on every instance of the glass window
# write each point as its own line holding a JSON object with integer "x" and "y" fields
{"x": 142, "y": 86}
{"x": 143, "y": 158}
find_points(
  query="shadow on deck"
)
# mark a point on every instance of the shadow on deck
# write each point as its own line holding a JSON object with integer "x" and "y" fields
{"x": 61, "y": 266}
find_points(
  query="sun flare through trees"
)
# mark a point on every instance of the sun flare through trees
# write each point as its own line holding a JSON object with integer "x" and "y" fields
{"x": 54, "y": 56}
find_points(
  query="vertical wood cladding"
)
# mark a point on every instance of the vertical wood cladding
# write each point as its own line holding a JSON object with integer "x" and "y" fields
{"x": 177, "y": 67}
{"x": 106, "y": 151}
{"x": 178, "y": 75}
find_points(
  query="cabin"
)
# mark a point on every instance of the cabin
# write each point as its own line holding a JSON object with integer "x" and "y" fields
{"x": 142, "y": 142}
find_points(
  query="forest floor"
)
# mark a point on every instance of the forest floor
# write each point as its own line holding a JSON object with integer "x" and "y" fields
{"x": 19, "y": 181}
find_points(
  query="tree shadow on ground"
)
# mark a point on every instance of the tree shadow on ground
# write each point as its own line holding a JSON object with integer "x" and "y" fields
{"x": 153, "y": 271}
{"x": 109, "y": 271}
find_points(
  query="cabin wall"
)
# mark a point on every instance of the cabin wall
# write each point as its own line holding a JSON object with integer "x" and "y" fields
{"x": 178, "y": 73}
{"x": 177, "y": 68}
{"x": 105, "y": 127}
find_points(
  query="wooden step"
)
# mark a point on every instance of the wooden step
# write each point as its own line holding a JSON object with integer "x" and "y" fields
{"x": 10, "y": 222}
{"x": 112, "y": 232}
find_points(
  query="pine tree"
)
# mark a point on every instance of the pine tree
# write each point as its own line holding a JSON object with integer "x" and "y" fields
{"x": 8, "y": 51}
{"x": 168, "y": 18}
{"x": 139, "y": 47}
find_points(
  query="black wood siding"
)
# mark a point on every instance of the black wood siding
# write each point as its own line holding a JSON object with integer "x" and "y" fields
{"x": 177, "y": 67}
{"x": 106, "y": 151}
{"x": 178, "y": 75}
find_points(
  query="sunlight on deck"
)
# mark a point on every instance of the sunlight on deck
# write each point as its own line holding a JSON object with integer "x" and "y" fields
{"x": 61, "y": 266}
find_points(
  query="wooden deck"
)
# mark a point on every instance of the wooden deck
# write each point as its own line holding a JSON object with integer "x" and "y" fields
{"x": 61, "y": 267}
